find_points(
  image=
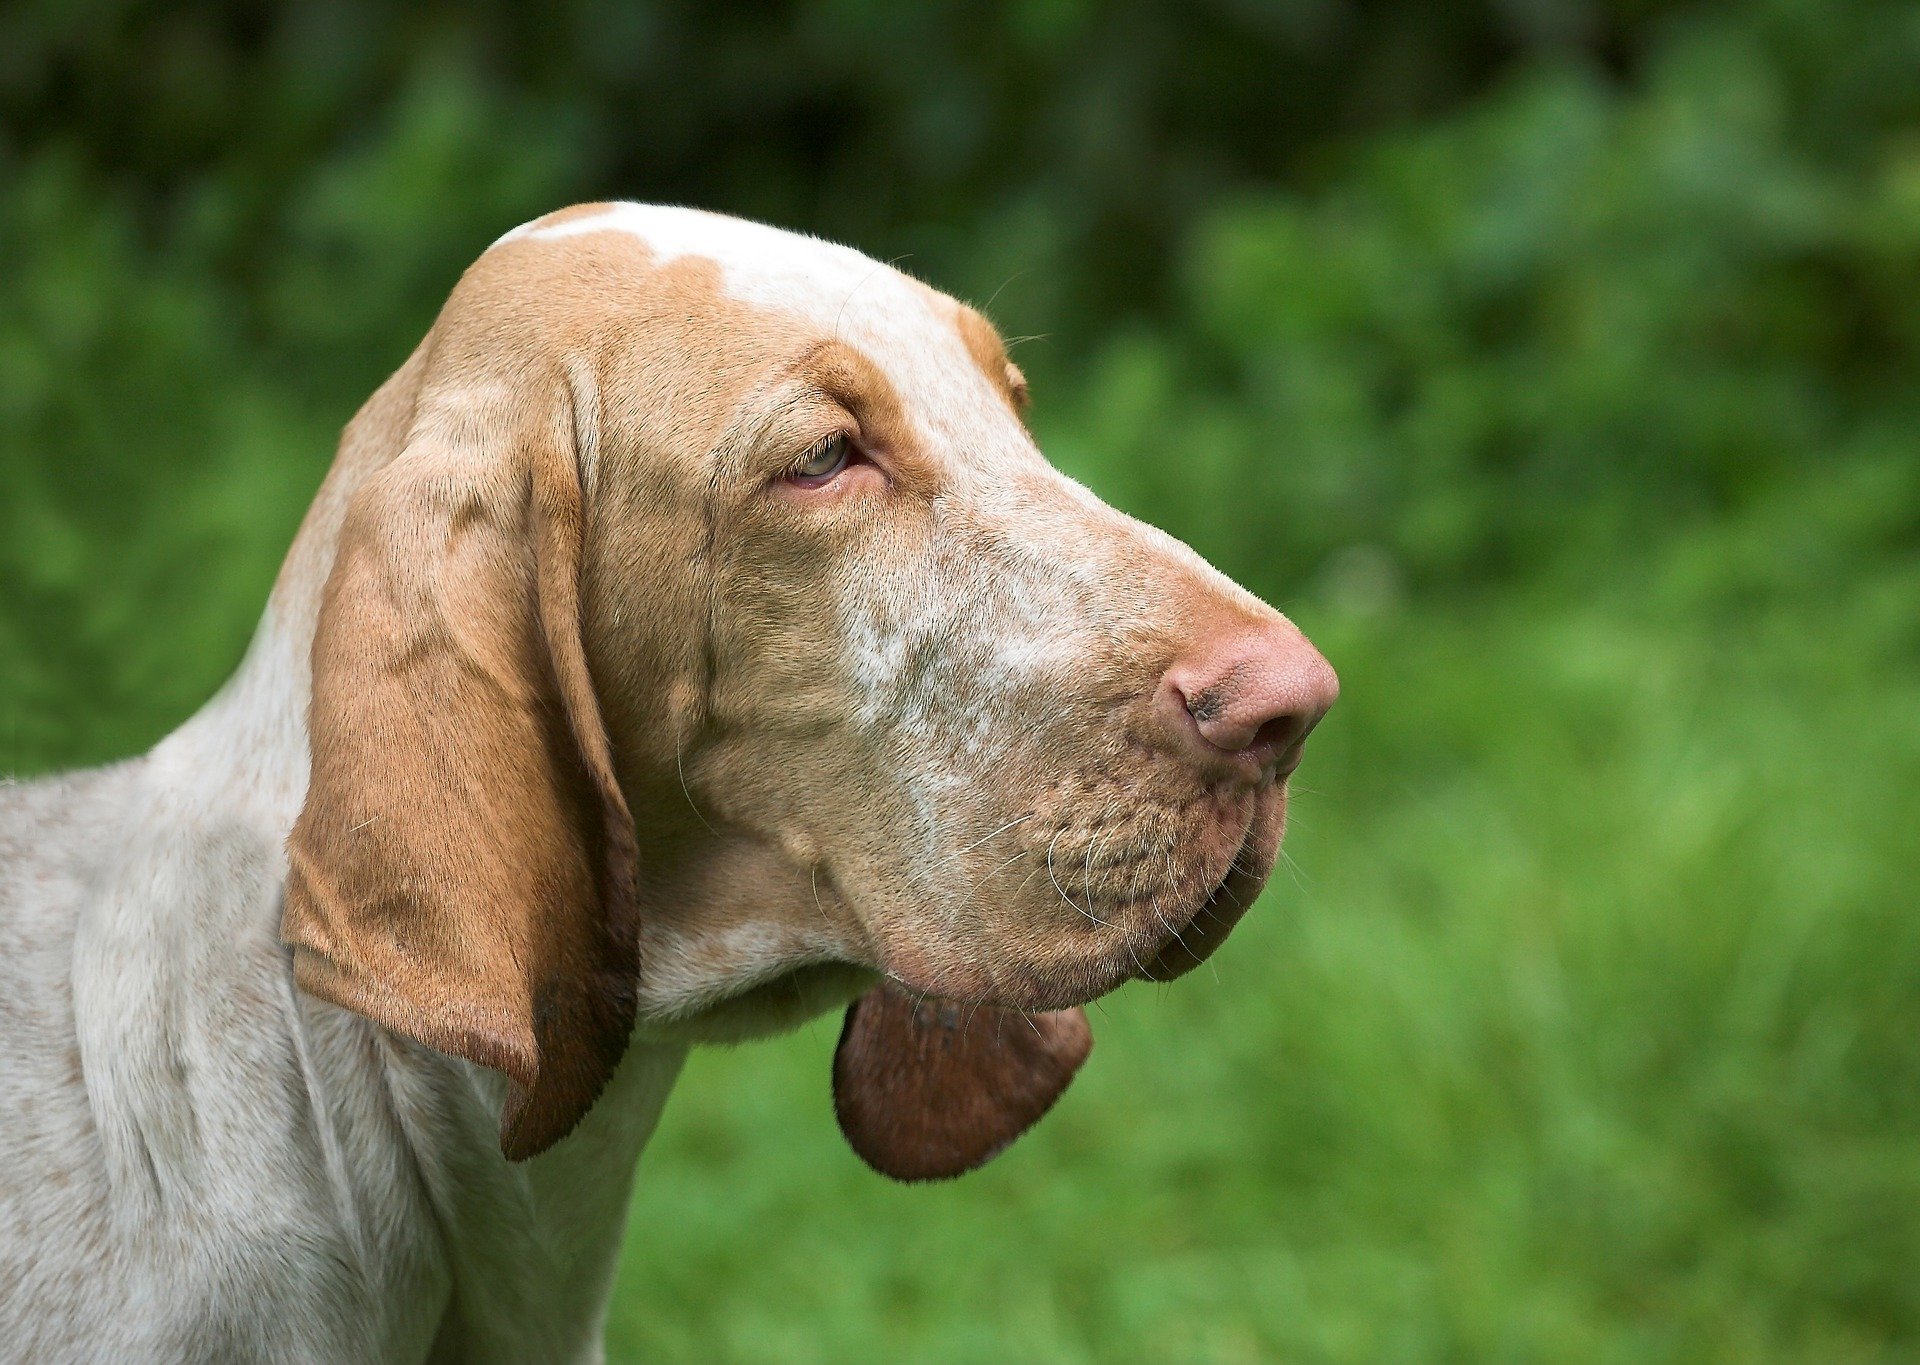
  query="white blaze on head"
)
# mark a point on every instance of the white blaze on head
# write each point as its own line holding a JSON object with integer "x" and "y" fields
{"x": 904, "y": 327}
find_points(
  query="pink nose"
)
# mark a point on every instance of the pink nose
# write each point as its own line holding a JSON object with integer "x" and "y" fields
{"x": 1250, "y": 697}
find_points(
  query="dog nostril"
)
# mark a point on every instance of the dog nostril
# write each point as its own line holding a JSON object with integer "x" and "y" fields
{"x": 1262, "y": 738}
{"x": 1205, "y": 708}
{"x": 1281, "y": 733}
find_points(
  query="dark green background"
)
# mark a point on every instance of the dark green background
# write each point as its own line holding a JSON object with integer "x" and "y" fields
{"x": 1552, "y": 363}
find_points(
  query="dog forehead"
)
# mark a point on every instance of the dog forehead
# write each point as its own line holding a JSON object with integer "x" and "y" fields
{"x": 826, "y": 283}
{"x": 911, "y": 332}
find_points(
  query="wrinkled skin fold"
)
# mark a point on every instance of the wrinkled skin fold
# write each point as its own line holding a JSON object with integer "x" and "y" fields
{"x": 927, "y": 1090}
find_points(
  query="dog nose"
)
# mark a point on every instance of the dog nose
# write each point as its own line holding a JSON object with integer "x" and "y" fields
{"x": 1250, "y": 696}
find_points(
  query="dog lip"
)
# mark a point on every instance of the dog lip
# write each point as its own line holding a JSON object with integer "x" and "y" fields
{"x": 1037, "y": 989}
{"x": 1213, "y": 921}
{"x": 1167, "y": 964}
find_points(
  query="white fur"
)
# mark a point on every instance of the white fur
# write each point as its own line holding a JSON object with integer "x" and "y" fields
{"x": 197, "y": 1162}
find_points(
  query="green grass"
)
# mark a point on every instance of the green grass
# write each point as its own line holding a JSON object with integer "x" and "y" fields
{"x": 1584, "y": 1026}
{"x": 1570, "y": 409}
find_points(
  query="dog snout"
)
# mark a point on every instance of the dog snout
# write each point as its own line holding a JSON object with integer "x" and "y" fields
{"x": 1248, "y": 697}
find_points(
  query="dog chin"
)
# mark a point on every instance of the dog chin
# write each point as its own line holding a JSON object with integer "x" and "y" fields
{"x": 773, "y": 1005}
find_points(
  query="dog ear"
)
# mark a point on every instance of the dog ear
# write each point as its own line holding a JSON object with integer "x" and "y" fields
{"x": 463, "y": 871}
{"x": 928, "y": 1090}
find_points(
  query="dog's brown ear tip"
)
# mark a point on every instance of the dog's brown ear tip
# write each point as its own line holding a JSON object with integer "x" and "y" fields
{"x": 522, "y": 1134}
{"x": 517, "y": 1146}
{"x": 928, "y": 1090}
{"x": 548, "y": 1103}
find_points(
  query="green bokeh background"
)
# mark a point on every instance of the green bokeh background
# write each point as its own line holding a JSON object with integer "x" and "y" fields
{"x": 1552, "y": 362}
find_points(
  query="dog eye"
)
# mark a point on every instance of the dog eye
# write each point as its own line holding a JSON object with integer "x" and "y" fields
{"x": 821, "y": 462}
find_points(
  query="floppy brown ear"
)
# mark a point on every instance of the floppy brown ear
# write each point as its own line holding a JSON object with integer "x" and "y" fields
{"x": 463, "y": 869}
{"x": 926, "y": 1090}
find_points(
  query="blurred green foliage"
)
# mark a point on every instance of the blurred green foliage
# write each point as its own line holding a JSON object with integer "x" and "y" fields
{"x": 1553, "y": 363}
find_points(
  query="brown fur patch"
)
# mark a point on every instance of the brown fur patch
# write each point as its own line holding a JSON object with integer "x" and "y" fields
{"x": 990, "y": 354}
{"x": 463, "y": 869}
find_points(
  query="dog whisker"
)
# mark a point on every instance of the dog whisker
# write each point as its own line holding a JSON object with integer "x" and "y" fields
{"x": 1301, "y": 880}
{"x": 681, "y": 772}
{"x": 813, "y": 879}
{"x": 1063, "y": 895}
{"x": 990, "y": 875}
{"x": 1017, "y": 820}
{"x": 1027, "y": 879}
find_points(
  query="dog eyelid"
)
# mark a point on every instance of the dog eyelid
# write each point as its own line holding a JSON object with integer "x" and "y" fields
{"x": 823, "y": 462}
{"x": 823, "y": 459}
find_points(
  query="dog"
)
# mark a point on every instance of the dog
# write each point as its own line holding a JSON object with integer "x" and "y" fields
{"x": 688, "y": 639}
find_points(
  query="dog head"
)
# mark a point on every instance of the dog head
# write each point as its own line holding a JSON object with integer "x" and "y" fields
{"x": 714, "y": 643}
